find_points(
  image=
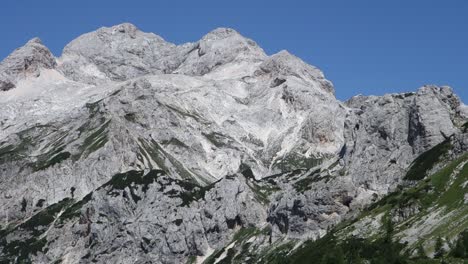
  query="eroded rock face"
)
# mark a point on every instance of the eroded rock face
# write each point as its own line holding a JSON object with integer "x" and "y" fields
{"x": 5, "y": 83}
{"x": 385, "y": 134}
{"x": 133, "y": 149}
{"x": 152, "y": 218}
{"x": 24, "y": 62}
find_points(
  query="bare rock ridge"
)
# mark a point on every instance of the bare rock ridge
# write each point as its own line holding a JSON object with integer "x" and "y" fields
{"x": 117, "y": 53}
{"x": 123, "y": 52}
{"x": 131, "y": 149}
{"x": 285, "y": 64}
{"x": 25, "y": 61}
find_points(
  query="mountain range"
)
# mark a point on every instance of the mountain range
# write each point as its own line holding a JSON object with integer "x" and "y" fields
{"x": 131, "y": 149}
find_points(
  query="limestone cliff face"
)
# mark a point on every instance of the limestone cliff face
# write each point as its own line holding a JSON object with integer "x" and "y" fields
{"x": 130, "y": 149}
{"x": 385, "y": 134}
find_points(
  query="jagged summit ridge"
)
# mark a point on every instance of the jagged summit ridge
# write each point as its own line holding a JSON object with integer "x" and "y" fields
{"x": 123, "y": 52}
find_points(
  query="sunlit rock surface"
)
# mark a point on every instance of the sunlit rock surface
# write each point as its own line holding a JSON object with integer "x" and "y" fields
{"x": 131, "y": 149}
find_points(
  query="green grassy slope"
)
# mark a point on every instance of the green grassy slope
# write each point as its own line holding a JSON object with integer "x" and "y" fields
{"x": 404, "y": 226}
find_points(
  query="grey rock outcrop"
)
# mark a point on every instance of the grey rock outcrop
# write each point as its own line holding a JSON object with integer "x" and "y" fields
{"x": 24, "y": 62}
{"x": 144, "y": 217}
{"x": 388, "y": 132}
{"x": 285, "y": 64}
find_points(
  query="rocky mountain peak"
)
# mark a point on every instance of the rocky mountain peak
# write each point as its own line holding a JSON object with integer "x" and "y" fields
{"x": 25, "y": 61}
{"x": 123, "y": 52}
{"x": 117, "y": 53}
{"x": 221, "y": 48}
{"x": 220, "y": 33}
{"x": 284, "y": 64}
{"x": 125, "y": 28}
{"x": 34, "y": 40}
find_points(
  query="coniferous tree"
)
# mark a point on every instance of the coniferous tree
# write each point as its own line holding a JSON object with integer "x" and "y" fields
{"x": 420, "y": 252}
{"x": 461, "y": 246}
{"x": 389, "y": 228}
{"x": 335, "y": 256}
{"x": 459, "y": 250}
{"x": 439, "y": 250}
{"x": 352, "y": 248}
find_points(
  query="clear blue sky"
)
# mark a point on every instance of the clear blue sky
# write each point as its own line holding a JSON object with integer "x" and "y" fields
{"x": 367, "y": 47}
